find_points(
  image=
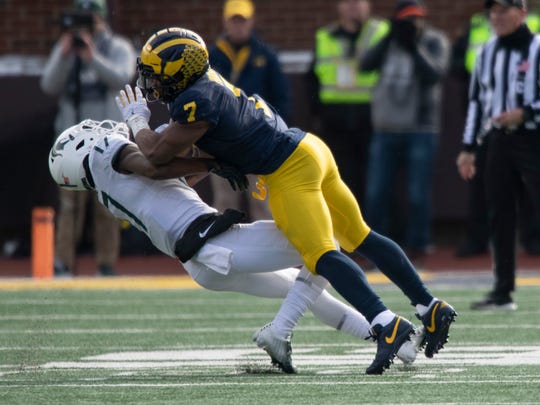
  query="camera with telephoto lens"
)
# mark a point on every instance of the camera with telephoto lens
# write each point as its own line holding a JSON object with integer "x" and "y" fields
{"x": 74, "y": 21}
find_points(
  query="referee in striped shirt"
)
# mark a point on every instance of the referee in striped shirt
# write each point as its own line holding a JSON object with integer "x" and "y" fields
{"x": 504, "y": 112}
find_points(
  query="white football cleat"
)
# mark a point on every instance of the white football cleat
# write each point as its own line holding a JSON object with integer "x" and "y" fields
{"x": 278, "y": 349}
{"x": 408, "y": 350}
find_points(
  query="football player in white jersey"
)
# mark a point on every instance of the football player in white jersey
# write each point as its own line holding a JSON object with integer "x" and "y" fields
{"x": 216, "y": 251}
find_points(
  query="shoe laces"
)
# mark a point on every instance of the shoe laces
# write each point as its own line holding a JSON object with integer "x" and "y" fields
{"x": 267, "y": 326}
{"x": 374, "y": 333}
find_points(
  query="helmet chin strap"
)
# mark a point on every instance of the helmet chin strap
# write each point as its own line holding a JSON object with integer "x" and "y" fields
{"x": 152, "y": 95}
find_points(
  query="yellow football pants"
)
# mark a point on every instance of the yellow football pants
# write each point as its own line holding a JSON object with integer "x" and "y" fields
{"x": 312, "y": 205}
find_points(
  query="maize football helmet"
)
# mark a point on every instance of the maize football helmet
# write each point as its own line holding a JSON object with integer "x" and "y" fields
{"x": 171, "y": 60}
{"x": 68, "y": 158}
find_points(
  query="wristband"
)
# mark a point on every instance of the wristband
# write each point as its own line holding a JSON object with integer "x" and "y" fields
{"x": 136, "y": 123}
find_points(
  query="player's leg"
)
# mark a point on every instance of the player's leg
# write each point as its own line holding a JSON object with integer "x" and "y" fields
{"x": 258, "y": 209}
{"x": 280, "y": 284}
{"x": 309, "y": 291}
{"x": 301, "y": 290}
{"x": 435, "y": 314}
{"x": 354, "y": 234}
{"x": 265, "y": 285}
{"x": 389, "y": 258}
{"x": 258, "y": 247}
{"x": 301, "y": 212}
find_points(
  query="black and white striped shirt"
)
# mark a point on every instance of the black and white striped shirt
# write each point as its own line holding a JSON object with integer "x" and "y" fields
{"x": 503, "y": 79}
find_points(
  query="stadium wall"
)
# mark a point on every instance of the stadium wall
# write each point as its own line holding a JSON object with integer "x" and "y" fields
{"x": 289, "y": 25}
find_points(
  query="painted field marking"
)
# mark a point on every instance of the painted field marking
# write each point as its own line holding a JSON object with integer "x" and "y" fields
{"x": 130, "y": 283}
{"x": 305, "y": 357}
{"x": 101, "y": 283}
{"x": 175, "y": 282}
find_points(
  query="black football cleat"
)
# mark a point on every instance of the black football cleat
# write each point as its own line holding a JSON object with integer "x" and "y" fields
{"x": 389, "y": 340}
{"x": 437, "y": 323}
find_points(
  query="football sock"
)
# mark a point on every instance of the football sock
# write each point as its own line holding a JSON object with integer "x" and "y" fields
{"x": 422, "y": 309}
{"x": 394, "y": 264}
{"x": 337, "y": 315}
{"x": 350, "y": 282}
{"x": 278, "y": 284}
{"x": 306, "y": 289}
{"x": 384, "y": 318}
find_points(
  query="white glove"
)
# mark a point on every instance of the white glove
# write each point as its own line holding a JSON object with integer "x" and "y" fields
{"x": 134, "y": 109}
{"x": 132, "y": 103}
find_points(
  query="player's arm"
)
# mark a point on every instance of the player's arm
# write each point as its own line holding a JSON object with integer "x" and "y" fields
{"x": 159, "y": 148}
{"x": 132, "y": 160}
{"x": 175, "y": 139}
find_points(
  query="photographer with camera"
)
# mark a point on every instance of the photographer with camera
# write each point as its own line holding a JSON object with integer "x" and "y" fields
{"x": 86, "y": 68}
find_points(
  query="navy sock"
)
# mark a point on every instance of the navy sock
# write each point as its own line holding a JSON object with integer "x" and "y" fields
{"x": 394, "y": 264}
{"x": 350, "y": 282}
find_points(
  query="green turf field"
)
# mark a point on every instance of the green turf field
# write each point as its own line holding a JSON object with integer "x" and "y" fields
{"x": 194, "y": 347}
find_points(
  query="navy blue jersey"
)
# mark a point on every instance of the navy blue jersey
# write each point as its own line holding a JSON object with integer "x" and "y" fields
{"x": 246, "y": 132}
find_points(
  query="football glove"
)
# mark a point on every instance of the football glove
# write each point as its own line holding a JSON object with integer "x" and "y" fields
{"x": 236, "y": 178}
{"x": 134, "y": 109}
{"x": 132, "y": 103}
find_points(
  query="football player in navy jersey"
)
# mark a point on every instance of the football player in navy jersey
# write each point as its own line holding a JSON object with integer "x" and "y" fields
{"x": 309, "y": 202}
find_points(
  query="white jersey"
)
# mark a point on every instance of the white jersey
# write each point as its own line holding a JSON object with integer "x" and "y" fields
{"x": 162, "y": 209}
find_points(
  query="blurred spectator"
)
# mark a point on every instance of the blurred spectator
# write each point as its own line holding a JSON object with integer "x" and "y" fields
{"x": 340, "y": 93}
{"x": 242, "y": 58}
{"x": 86, "y": 68}
{"x": 503, "y": 113}
{"x": 411, "y": 61}
{"x": 476, "y": 241}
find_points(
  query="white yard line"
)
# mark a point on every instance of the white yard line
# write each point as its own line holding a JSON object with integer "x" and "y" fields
{"x": 456, "y": 359}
